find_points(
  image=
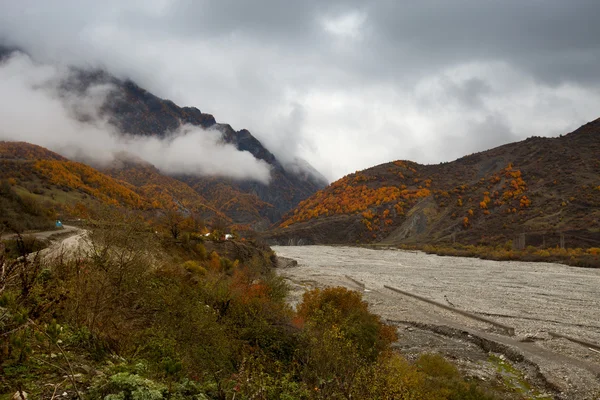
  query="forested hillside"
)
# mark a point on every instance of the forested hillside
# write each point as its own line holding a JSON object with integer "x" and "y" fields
{"x": 128, "y": 109}
{"x": 539, "y": 189}
{"x": 135, "y": 111}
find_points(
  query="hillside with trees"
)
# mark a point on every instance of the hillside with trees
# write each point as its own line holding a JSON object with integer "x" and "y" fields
{"x": 542, "y": 192}
{"x": 39, "y": 186}
{"x": 164, "y": 192}
{"x": 135, "y": 111}
{"x": 133, "y": 314}
{"x": 60, "y": 186}
{"x": 45, "y": 186}
{"x": 131, "y": 110}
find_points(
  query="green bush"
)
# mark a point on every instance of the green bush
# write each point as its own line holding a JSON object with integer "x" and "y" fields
{"x": 126, "y": 386}
{"x": 343, "y": 308}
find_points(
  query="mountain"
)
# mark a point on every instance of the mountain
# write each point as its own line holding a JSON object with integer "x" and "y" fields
{"x": 38, "y": 185}
{"x": 540, "y": 187}
{"x": 136, "y": 111}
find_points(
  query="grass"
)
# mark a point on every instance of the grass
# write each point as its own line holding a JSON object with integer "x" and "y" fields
{"x": 54, "y": 196}
{"x": 577, "y": 257}
{"x": 514, "y": 379}
{"x": 14, "y": 248}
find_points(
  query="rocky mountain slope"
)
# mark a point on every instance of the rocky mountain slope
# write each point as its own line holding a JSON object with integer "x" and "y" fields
{"x": 531, "y": 192}
{"x": 135, "y": 111}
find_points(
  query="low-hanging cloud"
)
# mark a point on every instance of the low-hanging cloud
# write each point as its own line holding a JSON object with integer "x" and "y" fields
{"x": 343, "y": 84}
{"x": 33, "y": 109}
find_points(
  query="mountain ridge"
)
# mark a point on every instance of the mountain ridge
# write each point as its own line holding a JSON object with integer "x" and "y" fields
{"x": 53, "y": 186}
{"x": 285, "y": 189}
{"x": 541, "y": 187}
{"x": 135, "y": 111}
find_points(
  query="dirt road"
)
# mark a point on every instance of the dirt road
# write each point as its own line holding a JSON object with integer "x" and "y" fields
{"x": 535, "y": 298}
{"x": 66, "y": 241}
{"x": 46, "y": 235}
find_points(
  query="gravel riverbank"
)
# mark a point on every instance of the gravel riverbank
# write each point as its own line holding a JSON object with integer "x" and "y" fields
{"x": 537, "y": 299}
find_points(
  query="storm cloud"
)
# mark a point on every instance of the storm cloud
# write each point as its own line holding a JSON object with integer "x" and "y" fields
{"x": 33, "y": 109}
{"x": 342, "y": 84}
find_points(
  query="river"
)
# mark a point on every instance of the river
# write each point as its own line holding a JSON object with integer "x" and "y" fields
{"x": 537, "y": 299}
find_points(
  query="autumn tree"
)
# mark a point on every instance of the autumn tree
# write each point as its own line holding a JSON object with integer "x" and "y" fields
{"x": 341, "y": 336}
{"x": 173, "y": 220}
{"x": 466, "y": 222}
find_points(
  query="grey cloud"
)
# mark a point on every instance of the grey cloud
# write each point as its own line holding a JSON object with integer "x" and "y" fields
{"x": 290, "y": 139}
{"x": 418, "y": 66}
{"x": 469, "y": 93}
{"x": 459, "y": 93}
{"x": 261, "y": 18}
{"x": 542, "y": 37}
{"x": 554, "y": 39}
{"x": 489, "y": 132}
{"x": 33, "y": 110}
{"x": 476, "y": 135}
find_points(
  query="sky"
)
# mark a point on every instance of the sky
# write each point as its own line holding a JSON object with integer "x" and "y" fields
{"x": 34, "y": 109}
{"x": 344, "y": 85}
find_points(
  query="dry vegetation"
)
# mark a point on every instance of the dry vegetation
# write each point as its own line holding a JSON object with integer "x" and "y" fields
{"x": 134, "y": 314}
{"x": 578, "y": 257}
{"x": 20, "y": 213}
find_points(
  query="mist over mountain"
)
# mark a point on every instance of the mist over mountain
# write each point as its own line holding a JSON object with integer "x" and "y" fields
{"x": 92, "y": 116}
{"x": 344, "y": 85}
{"x": 40, "y": 107}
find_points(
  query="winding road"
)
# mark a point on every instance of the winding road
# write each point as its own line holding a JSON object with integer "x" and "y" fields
{"x": 45, "y": 235}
